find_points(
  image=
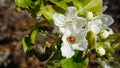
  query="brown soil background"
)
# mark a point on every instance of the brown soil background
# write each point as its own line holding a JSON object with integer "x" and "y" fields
{"x": 13, "y": 27}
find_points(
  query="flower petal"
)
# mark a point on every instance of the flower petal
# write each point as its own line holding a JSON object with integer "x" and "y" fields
{"x": 64, "y": 38}
{"x": 93, "y": 27}
{"x": 81, "y": 33}
{"x": 71, "y": 12}
{"x": 80, "y": 46}
{"x": 79, "y": 22}
{"x": 76, "y": 46}
{"x": 69, "y": 29}
{"x": 98, "y": 21}
{"x": 84, "y": 44}
{"x": 59, "y": 19}
{"x": 66, "y": 51}
{"x": 107, "y": 20}
{"x": 62, "y": 29}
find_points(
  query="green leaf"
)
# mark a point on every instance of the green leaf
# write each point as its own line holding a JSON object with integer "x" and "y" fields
{"x": 32, "y": 6}
{"x": 84, "y": 6}
{"x": 55, "y": 62}
{"x": 91, "y": 40}
{"x": 35, "y": 8}
{"x": 24, "y": 44}
{"x": 70, "y": 63}
{"x": 57, "y": 56}
{"x": 29, "y": 54}
{"x": 75, "y": 62}
{"x": 23, "y": 3}
{"x": 48, "y": 12}
{"x": 32, "y": 35}
{"x": 29, "y": 40}
{"x": 27, "y": 44}
{"x": 113, "y": 37}
{"x": 60, "y": 3}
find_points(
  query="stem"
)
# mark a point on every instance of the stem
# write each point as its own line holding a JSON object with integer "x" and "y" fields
{"x": 45, "y": 62}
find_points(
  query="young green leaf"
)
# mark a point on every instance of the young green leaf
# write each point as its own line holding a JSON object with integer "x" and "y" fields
{"x": 113, "y": 37}
{"x": 48, "y": 12}
{"x": 61, "y": 3}
{"x": 75, "y": 62}
{"x": 84, "y": 6}
{"x": 70, "y": 63}
{"x": 27, "y": 44}
{"x": 24, "y": 44}
{"x": 33, "y": 35}
{"x": 23, "y": 3}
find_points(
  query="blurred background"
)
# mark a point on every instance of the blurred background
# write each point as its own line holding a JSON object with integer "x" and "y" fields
{"x": 14, "y": 25}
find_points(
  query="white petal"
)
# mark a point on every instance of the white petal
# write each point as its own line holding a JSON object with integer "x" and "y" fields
{"x": 69, "y": 29}
{"x": 76, "y": 46}
{"x": 98, "y": 21}
{"x": 110, "y": 31}
{"x": 59, "y": 19}
{"x": 95, "y": 28}
{"x": 82, "y": 45}
{"x": 79, "y": 22}
{"x": 107, "y": 20}
{"x": 81, "y": 33}
{"x": 71, "y": 12}
{"x": 62, "y": 29}
{"x": 66, "y": 51}
{"x": 64, "y": 38}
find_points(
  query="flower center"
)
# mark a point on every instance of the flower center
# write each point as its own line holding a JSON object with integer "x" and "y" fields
{"x": 71, "y": 39}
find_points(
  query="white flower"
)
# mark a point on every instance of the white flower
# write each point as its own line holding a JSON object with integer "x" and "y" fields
{"x": 100, "y": 22}
{"x": 107, "y": 21}
{"x": 71, "y": 17}
{"x": 93, "y": 23}
{"x": 73, "y": 39}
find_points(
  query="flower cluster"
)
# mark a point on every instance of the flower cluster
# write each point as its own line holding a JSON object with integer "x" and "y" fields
{"x": 75, "y": 28}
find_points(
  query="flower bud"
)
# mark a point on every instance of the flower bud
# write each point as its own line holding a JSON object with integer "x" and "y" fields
{"x": 101, "y": 51}
{"x": 89, "y": 15}
{"x": 104, "y": 34}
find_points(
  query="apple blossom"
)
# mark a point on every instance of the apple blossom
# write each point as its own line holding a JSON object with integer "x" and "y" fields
{"x": 73, "y": 39}
{"x": 62, "y": 21}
